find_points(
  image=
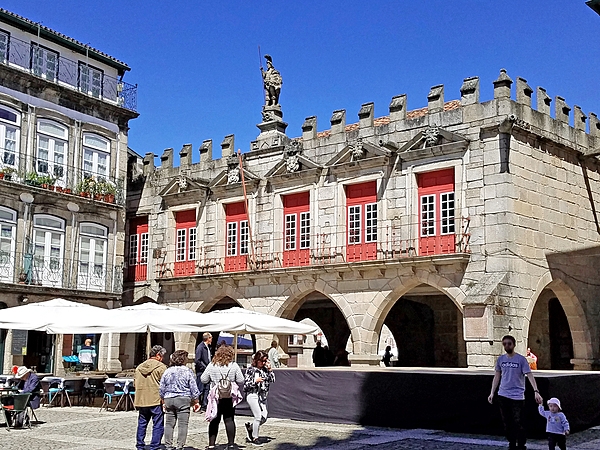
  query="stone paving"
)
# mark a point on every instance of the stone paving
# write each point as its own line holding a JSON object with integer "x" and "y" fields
{"x": 82, "y": 428}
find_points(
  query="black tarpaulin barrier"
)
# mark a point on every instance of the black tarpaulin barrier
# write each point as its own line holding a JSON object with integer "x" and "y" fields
{"x": 453, "y": 400}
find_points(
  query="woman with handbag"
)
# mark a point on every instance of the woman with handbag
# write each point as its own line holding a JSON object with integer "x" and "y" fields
{"x": 224, "y": 376}
{"x": 256, "y": 385}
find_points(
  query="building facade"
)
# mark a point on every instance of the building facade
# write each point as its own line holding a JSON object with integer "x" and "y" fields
{"x": 452, "y": 225}
{"x": 64, "y": 113}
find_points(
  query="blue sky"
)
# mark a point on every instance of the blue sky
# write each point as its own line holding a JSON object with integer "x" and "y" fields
{"x": 197, "y": 66}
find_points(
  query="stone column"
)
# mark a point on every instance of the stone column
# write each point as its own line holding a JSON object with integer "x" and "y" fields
{"x": 108, "y": 353}
{"x": 8, "y": 359}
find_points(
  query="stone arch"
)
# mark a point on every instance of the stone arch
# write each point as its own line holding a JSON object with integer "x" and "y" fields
{"x": 382, "y": 304}
{"x": 576, "y": 316}
{"x": 215, "y": 294}
{"x": 297, "y": 293}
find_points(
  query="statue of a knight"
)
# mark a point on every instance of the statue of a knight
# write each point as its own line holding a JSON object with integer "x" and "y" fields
{"x": 272, "y": 82}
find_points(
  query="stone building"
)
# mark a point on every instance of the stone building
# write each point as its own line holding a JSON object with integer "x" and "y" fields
{"x": 452, "y": 225}
{"x": 64, "y": 113}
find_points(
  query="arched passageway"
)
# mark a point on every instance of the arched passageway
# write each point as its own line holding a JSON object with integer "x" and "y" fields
{"x": 427, "y": 328}
{"x": 550, "y": 336}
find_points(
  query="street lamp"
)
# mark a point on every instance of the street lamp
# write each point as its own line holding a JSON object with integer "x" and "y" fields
{"x": 595, "y": 5}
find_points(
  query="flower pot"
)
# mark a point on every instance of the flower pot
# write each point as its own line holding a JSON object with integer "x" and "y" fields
{"x": 44, "y": 186}
{"x": 1, "y": 175}
{"x": 50, "y": 187}
{"x": 109, "y": 198}
{"x": 58, "y": 189}
{"x": 84, "y": 194}
{"x": 67, "y": 190}
{"x": 98, "y": 197}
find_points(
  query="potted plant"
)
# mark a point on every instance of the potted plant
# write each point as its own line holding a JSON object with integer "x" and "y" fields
{"x": 87, "y": 187}
{"x": 46, "y": 181}
{"x": 32, "y": 179}
{"x": 7, "y": 173}
{"x": 107, "y": 190}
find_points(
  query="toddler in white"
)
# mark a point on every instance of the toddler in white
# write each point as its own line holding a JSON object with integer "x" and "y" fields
{"x": 557, "y": 425}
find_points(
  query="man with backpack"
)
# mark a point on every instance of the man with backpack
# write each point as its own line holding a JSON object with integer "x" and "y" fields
{"x": 225, "y": 378}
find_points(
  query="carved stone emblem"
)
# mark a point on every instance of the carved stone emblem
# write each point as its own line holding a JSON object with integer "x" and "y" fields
{"x": 292, "y": 163}
{"x": 183, "y": 184}
{"x": 432, "y": 136}
{"x": 233, "y": 170}
{"x": 266, "y": 116}
{"x": 292, "y": 150}
{"x": 358, "y": 150}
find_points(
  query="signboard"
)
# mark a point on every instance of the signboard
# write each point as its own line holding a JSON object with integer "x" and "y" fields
{"x": 19, "y": 342}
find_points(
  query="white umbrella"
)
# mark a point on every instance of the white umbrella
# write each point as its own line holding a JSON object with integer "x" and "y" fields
{"x": 53, "y": 316}
{"x": 239, "y": 320}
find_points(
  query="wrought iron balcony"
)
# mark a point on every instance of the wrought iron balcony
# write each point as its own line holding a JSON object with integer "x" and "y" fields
{"x": 58, "y": 177}
{"x": 80, "y": 76}
{"x": 322, "y": 249}
{"x": 41, "y": 270}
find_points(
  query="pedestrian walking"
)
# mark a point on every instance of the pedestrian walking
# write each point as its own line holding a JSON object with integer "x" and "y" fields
{"x": 201, "y": 360}
{"x": 511, "y": 370}
{"x": 318, "y": 356}
{"x": 387, "y": 356}
{"x": 258, "y": 379}
{"x": 557, "y": 425}
{"x": 274, "y": 355}
{"x": 178, "y": 390}
{"x": 224, "y": 376}
{"x": 147, "y": 399}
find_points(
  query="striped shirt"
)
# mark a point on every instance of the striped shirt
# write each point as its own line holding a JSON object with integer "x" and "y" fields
{"x": 214, "y": 373}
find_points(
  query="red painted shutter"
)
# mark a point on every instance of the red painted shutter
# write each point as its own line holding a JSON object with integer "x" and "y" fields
{"x": 185, "y": 225}
{"x": 436, "y": 212}
{"x": 296, "y": 229}
{"x": 236, "y": 237}
{"x": 361, "y": 221}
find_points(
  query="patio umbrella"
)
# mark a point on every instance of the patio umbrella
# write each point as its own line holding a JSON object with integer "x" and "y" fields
{"x": 242, "y": 321}
{"x": 53, "y": 316}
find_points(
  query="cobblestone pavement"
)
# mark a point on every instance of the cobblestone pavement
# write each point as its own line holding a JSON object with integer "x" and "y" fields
{"x": 82, "y": 428}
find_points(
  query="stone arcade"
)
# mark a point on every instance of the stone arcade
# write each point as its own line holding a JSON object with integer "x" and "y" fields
{"x": 452, "y": 225}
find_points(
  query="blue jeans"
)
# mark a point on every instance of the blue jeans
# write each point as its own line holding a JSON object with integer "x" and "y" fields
{"x": 204, "y": 390}
{"x": 145, "y": 414}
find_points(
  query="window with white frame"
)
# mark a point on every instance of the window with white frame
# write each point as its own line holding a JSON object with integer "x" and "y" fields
{"x": 48, "y": 250}
{"x": 290, "y": 231}
{"x": 354, "y": 224}
{"x": 181, "y": 245}
{"x": 231, "y": 238}
{"x": 4, "y": 46}
{"x": 144, "y": 248}
{"x": 44, "y": 62}
{"x": 96, "y": 156}
{"x": 192, "y": 244}
{"x": 371, "y": 222}
{"x": 133, "y": 249}
{"x": 10, "y": 122}
{"x": 8, "y": 231}
{"x": 428, "y": 215}
{"x": 52, "y": 149}
{"x": 305, "y": 230}
{"x": 90, "y": 80}
{"x": 244, "y": 237}
{"x": 447, "y": 212}
{"x": 93, "y": 243}
{"x": 138, "y": 249}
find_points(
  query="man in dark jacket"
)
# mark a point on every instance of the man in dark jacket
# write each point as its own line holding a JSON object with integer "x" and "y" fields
{"x": 201, "y": 360}
{"x": 147, "y": 399}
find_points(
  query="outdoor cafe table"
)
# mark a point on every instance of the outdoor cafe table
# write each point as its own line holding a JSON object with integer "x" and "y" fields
{"x": 126, "y": 384}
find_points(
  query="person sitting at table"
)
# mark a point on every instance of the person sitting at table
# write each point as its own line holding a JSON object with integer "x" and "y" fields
{"x": 28, "y": 383}
{"x": 87, "y": 353}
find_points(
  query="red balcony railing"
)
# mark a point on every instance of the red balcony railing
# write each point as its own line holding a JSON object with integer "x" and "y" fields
{"x": 325, "y": 249}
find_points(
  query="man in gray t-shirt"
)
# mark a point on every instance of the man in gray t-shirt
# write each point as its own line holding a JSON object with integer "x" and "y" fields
{"x": 511, "y": 370}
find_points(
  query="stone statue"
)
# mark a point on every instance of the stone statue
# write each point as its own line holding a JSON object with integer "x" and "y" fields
{"x": 272, "y": 83}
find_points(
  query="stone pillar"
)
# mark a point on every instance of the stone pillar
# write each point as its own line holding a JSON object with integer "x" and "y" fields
{"x": 365, "y": 115}
{"x": 469, "y": 91}
{"x": 148, "y": 164}
{"x": 309, "y": 128}
{"x": 398, "y": 107}
{"x": 206, "y": 150}
{"x": 579, "y": 119}
{"x": 543, "y": 101}
{"x": 502, "y": 85}
{"x": 435, "y": 99}
{"x": 185, "y": 156}
{"x": 166, "y": 159}
{"x": 228, "y": 146}
{"x": 108, "y": 353}
{"x": 59, "y": 367}
{"x": 561, "y": 110}
{"x": 524, "y": 92}
{"x": 8, "y": 359}
{"x": 582, "y": 364}
{"x": 338, "y": 121}
{"x": 594, "y": 125}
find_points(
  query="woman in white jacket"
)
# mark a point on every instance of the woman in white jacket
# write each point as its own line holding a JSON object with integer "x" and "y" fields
{"x": 256, "y": 385}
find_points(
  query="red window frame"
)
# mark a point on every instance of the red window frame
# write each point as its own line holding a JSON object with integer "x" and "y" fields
{"x": 437, "y": 205}
{"x": 237, "y": 237}
{"x": 138, "y": 251}
{"x": 186, "y": 234}
{"x": 296, "y": 229}
{"x": 362, "y": 215}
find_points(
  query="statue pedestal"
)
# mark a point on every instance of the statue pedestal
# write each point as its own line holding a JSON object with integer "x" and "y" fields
{"x": 272, "y": 129}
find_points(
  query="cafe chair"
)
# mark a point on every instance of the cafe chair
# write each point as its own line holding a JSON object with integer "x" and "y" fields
{"x": 20, "y": 405}
{"x": 73, "y": 388}
{"x": 92, "y": 389}
{"x": 50, "y": 391}
{"x": 111, "y": 391}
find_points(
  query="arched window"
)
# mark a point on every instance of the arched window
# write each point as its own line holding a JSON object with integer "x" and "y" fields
{"x": 8, "y": 233}
{"x": 93, "y": 241}
{"x": 52, "y": 150}
{"x": 10, "y": 129}
{"x": 96, "y": 156}
{"x": 48, "y": 250}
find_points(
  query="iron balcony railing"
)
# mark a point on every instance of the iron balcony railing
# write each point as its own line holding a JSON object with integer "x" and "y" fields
{"x": 58, "y": 177}
{"x": 78, "y": 75}
{"x": 54, "y": 272}
{"x": 322, "y": 249}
